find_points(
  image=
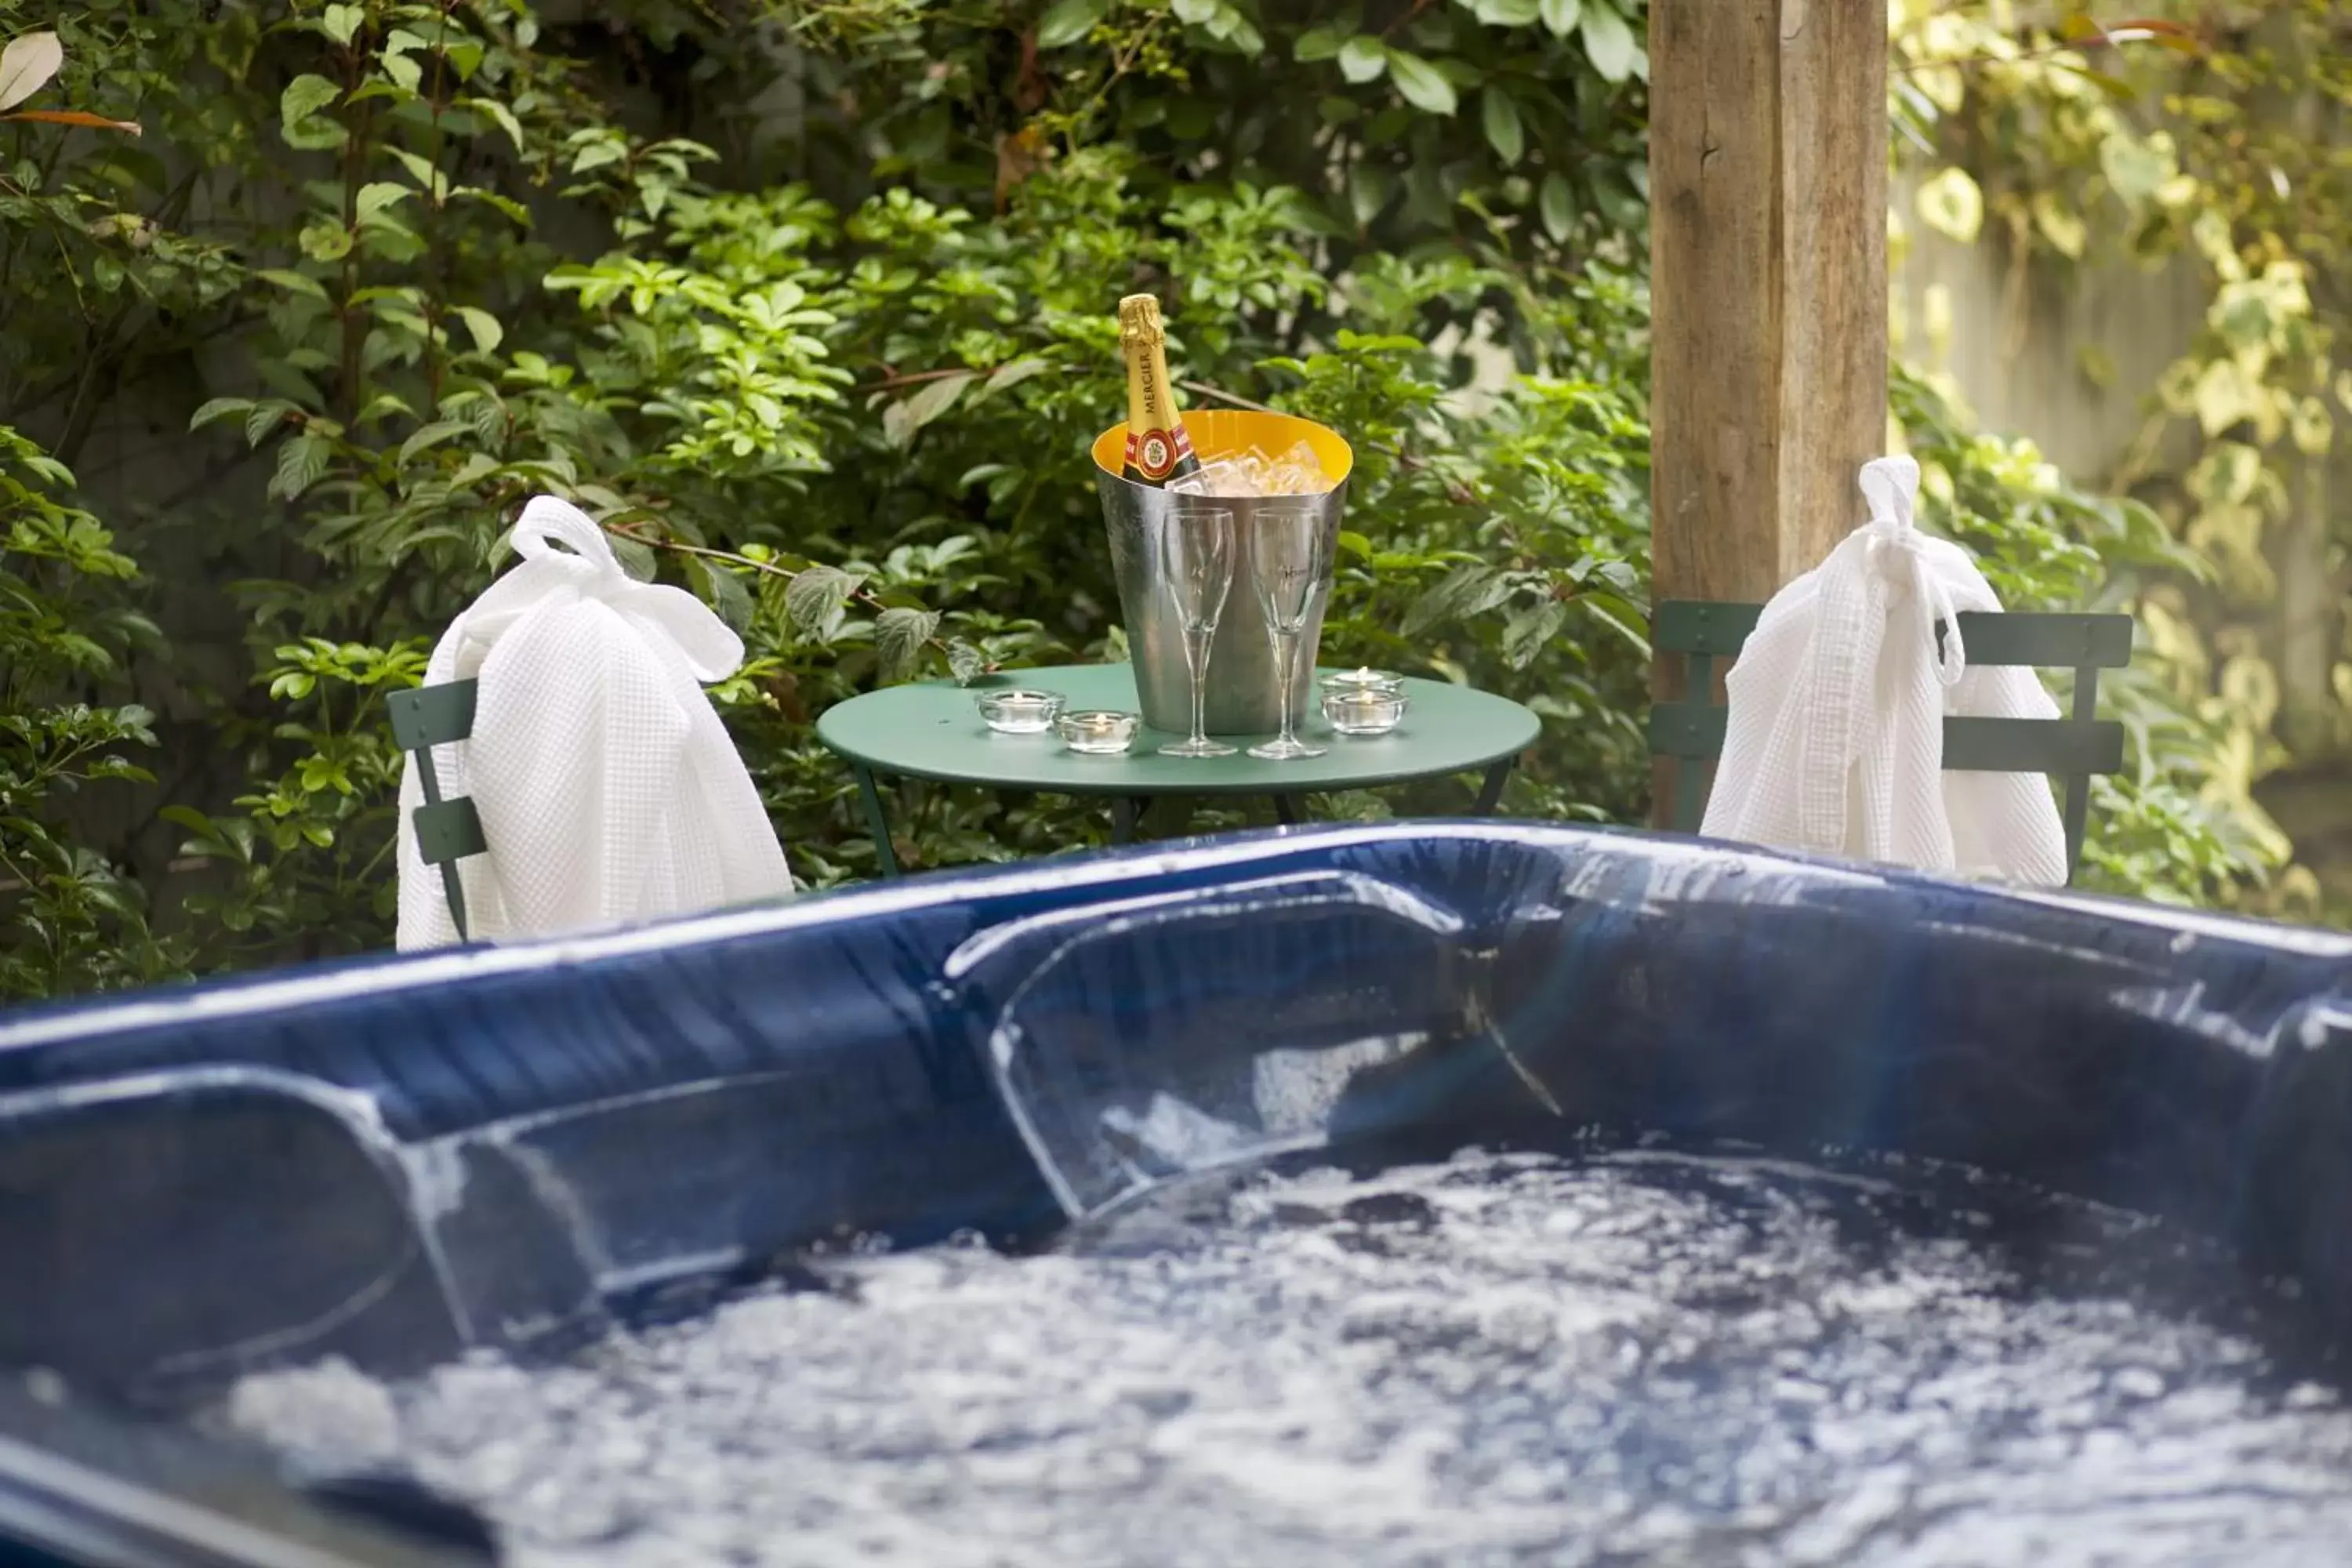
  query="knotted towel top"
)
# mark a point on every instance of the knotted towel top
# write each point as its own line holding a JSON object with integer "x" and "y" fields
{"x": 585, "y": 567}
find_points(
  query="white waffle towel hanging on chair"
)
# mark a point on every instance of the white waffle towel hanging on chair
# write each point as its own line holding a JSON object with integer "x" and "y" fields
{"x": 607, "y": 787}
{"x": 1834, "y": 743}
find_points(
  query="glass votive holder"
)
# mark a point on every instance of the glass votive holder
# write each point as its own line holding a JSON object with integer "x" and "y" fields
{"x": 1363, "y": 710}
{"x": 1019, "y": 710}
{"x": 1349, "y": 681}
{"x": 1097, "y": 733}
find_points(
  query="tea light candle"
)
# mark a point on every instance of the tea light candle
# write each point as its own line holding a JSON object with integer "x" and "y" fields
{"x": 1363, "y": 710}
{"x": 1098, "y": 733}
{"x": 1020, "y": 712}
{"x": 1353, "y": 680}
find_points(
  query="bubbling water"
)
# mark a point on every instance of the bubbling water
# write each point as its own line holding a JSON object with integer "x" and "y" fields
{"x": 1630, "y": 1357}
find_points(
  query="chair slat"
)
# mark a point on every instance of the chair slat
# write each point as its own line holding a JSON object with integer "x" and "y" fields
{"x": 1695, "y": 732}
{"x": 1697, "y": 626}
{"x": 450, "y": 831}
{"x": 2053, "y": 746}
{"x": 2046, "y": 641}
{"x": 426, "y": 716}
{"x": 1687, "y": 729}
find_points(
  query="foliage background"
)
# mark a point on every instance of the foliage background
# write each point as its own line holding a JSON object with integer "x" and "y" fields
{"x": 2209, "y": 136}
{"x": 811, "y": 304}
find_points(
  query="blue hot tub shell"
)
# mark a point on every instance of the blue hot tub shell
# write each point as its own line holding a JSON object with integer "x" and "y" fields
{"x": 398, "y": 1159}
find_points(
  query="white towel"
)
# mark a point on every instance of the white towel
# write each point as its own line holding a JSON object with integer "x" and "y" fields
{"x": 607, "y": 787}
{"x": 1835, "y": 737}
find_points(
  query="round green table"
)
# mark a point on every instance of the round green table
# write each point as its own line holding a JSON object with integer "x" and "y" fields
{"x": 933, "y": 731}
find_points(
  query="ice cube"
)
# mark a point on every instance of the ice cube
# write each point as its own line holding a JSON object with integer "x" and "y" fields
{"x": 1298, "y": 472}
{"x": 1223, "y": 476}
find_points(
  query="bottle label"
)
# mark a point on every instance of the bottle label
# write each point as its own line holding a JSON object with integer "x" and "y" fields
{"x": 1156, "y": 453}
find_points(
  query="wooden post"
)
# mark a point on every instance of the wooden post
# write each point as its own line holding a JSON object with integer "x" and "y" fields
{"x": 1767, "y": 286}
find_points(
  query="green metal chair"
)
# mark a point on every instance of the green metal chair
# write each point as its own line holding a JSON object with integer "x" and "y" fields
{"x": 2069, "y": 748}
{"x": 447, "y": 830}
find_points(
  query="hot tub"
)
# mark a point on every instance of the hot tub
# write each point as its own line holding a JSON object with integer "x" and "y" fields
{"x": 398, "y": 1161}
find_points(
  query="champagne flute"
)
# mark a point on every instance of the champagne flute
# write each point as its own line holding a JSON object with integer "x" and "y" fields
{"x": 1196, "y": 557}
{"x": 1289, "y": 556}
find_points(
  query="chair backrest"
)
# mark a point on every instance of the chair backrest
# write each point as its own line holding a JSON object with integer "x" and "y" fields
{"x": 447, "y": 830}
{"x": 2069, "y": 748}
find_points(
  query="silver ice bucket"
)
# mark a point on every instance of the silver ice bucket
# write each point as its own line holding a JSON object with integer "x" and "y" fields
{"x": 1239, "y": 698}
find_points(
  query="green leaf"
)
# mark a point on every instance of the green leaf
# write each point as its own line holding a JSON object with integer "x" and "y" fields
{"x": 342, "y": 23}
{"x": 1422, "y": 86}
{"x": 1558, "y": 205}
{"x": 1464, "y": 592}
{"x": 300, "y": 461}
{"x": 1363, "y": 58}
{"x": 505, "y": 204}
{"x": 2225, "y": 395}
{"x": 908, "y": 415}
{"x": 727, "y": 594}
{"x": 1067, "y": 21}
{"x": 377, "y": 195}
{"x": 500, "y": 115}
{"x": 1234, "y": 28}
{"x": 431, "y": 436}
{"x": 294, "y": 282}
{"x": 407, "y": 73}
{"x": 814, "y": 601}
{"x": 218, "y": 408}
{"x": 635, "y": 557}
{"x": 488, "y": 334}
{"x": 1951, "y": 205}
{"x": 1504, "y": 134}
{"x": 595, "y": 155}
{"x": 1506, "y": 13}
{"x": 965, "y": 661}
{"x": 2135, "y": 168}
{"x": 1627, "y": 620}
{"x": 899, "y": 636}
{"x": 1529, "y": 630}
{"x": 1317, "y": 44}
{"x": 1017, "y": 373}
{"x": 27, "y": 65}
{"x": 303, "y": 98}
{"x": 1369, "y": 189}
{"x": 1561, "y": 16}
{"x": 2062, "y": 225}
{"x": 325, "y": 240}
{"x": 264, "y": 418}
{"x": 1609, "y": 43}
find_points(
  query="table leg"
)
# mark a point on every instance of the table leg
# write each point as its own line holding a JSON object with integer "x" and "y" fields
{"x": 877, "y": 824}
{"x": 1122, "y": 819}
{"x": 1492, "y": 794}
{"x": 1285, "y": 810}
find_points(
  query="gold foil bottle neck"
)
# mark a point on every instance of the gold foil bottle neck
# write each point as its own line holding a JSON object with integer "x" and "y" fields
{"x": 1138, "y": 322}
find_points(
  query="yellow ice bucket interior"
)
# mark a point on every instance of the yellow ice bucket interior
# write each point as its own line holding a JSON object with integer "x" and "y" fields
{"x": 1223, "y": 432}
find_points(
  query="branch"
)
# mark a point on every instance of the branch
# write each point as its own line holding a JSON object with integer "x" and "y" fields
{"x": 2170, "y": 35}
{"x": 1418, "y": 7}
{"x": 915, "y": 377}
{"x": 862, "y": 593}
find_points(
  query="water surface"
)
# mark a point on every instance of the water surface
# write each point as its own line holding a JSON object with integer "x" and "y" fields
{"x": 1629, "y": 1357}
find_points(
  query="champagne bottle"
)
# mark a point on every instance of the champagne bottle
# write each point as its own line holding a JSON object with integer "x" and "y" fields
{"x": 1157, "y": 449}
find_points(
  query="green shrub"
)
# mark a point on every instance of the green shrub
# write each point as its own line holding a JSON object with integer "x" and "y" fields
{"x": 812, "y": 307}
